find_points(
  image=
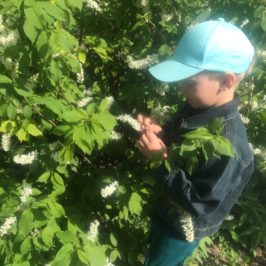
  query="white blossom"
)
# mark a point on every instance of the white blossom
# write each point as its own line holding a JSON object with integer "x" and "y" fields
{"x": 115, "y": 136}
{"x": 108, "y": 263}
{"x": 93, "y": 5}
{"x": 257, "y": 151}
{"x": 142, "y": 63}
{"x": 25, "y": 158}
{"x": 110, "y": 100}
{"x": 8, "y": 40}
{"x": 166, "y": 17}
{"x": 244, "y": 119}
{"x": 1, "y": 23}
{"x": 141, "y": 258}
{"x": 7, "y": 225}
{"x": 162, "y": 89}
{"x": 229, "y": 217}
{"x": 93, "y": 231}
{"x": 130, "y": 120}
{"x": 261, "y": 53}
{"x": 80, "y": 75}
{"x": 144, "y": 2}
{"x": 109, "y": 190}
{"x": 18, "y": 110}
{"x": 34, "y": 78}
{"x": 34, "y": 232}
{"x": 161, "y": 114}
{"x": 26, "y": 192}
{"x": 83, "y": 102}
{"x": 6, "y": 141}
{"x": 246, "y": 21}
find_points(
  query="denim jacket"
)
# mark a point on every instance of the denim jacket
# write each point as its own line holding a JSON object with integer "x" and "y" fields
{"x": 194, "y": 206}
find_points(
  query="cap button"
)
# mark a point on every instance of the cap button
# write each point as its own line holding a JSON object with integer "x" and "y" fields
{"x": 221, "y": 19}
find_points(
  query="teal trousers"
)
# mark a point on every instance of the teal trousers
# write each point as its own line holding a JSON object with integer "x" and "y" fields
{"x": 166, "y": 249}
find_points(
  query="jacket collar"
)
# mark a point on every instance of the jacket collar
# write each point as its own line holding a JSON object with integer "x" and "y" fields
{"x": 226, "y": 110}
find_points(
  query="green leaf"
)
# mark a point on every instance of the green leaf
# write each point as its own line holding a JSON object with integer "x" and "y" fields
{"x": 223, "y": 146}
{"x": 44, "y": 177}
{"x": 5, "y": 79}
{"x": 63, "y": 256}
{"x": 33, "y": 130}
{"x": 113, "y": 240}
{"x": 58, "y": 184}
{"x": 82, "y": 138}
{"x": 27, "y": 111}
{"x": 263, "y": 21}
{"x": 33, "y": 23}
{"x": 82, "y": 57}
{"x": 55, "y": 208}
{"x": 8, "y": 126}
{"x": 73, "y": 116}
{"x": 22, "y": 135}
{"x": 25, "y": 224}
{"x": 96, "y": 255}
{"x": 134, "y": 203}
{"x": 83, "y": 256}
{"x": 52, "y": 104}
{"x": 107, "y": 121}
{"x": 25, "y": 246}
{"x": 199, "y": 133}
{"x": 47, "y": 234}
{"x": 11, "y": 111}
{"x": 67, "y": 237}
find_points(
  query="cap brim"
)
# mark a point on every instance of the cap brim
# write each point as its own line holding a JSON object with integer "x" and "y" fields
{"x": 172, "y": 71}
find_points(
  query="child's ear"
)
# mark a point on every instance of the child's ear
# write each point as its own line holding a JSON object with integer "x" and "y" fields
{"x": 228, "y": 80}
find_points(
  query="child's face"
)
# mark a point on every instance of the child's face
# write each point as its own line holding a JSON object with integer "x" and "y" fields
{"x": 202, "y": 90}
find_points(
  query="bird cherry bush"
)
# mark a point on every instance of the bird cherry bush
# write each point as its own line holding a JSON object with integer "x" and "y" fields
{"x": 73, "y": 188}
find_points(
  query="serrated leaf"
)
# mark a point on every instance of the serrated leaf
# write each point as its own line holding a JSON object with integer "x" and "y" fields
{"x": 33, "y": 130}
{"x": 113, "y": 240}
{"x": 134, "y": 204}
{"x": 25, "y": 224}
{"x": 63, "y": 256}
{"x": 5, "y": 79}
{"x": 22, "y": 135}
{"x": 47, "y": 234}
{"x": 25, "y": 246}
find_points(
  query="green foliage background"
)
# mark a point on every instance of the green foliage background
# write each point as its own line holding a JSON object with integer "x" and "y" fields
{"x": 39, "y": 107}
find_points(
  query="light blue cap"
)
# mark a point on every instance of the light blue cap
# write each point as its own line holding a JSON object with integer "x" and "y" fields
{"x": 213, "y": 45}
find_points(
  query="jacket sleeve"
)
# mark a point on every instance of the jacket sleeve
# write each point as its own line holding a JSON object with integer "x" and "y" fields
{"x": 202, "y": 193}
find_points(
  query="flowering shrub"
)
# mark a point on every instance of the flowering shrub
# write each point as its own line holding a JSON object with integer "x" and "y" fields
{"x": 73, "y": 76}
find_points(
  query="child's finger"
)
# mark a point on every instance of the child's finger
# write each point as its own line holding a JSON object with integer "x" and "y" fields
{"x": 140, "y": 118}
{"x": 151, "y": 136}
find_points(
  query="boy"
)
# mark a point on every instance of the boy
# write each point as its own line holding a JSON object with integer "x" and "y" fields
{"x": 208, "y": 64}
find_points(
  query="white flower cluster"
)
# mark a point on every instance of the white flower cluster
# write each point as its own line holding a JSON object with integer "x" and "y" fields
{"x": 34, "y": 232}
{"x": 161, "y": 114}
{"x": 26, "y": 192}
{"x": 88, "y": 92}
{"x": 109, "y": 190}
{"x": 108, "y": 263}
{"x": 110, "y": 100}
{"x": 8, "y": 40}
{"x": 246, "y": 21}
{"x": 93, "y": 5}
{"x": 261, "y": 53}
{"x": 93, "y": 231}
{"x": 83, "y": 102}
{"x": 244, "y": 119}
{"x": 80, "y": 75}
{"x": 7, "y": 225}
{"x": 25, "y": 158}
{"x": 1, "y": 23}
{"x": 34, "y": 78}
{"x": 229, "y": 217}
{"x": 130, "y": 120}
{"x": 255, "y": 150}
{"x": 142, "y": 63}
{"x": 115, "y": 136}
{"x": 6, "y": 141}
{"x": 162, "y": 89}
{"x": 185, "y": 220}
{"x": 141, "y": 258}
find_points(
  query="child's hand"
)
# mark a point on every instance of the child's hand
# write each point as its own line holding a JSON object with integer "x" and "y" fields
{"x": 151, "y": 146}
{"x": 148, "y": 123}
